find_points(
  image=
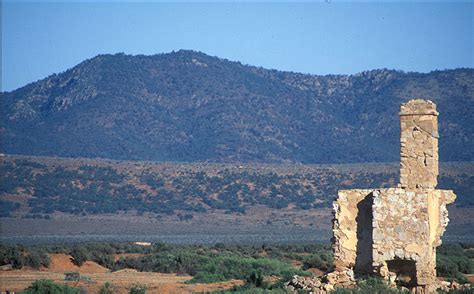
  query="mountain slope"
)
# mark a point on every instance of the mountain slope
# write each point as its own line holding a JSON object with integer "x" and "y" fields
{"x": 188, "y": 106}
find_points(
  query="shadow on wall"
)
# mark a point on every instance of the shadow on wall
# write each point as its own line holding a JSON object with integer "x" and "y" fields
{"x": 364, "y": 257}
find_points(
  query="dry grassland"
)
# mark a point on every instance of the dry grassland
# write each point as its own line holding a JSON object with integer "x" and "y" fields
{"x": 97, "y": 276}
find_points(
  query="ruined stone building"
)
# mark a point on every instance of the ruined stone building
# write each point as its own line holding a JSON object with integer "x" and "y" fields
{"x": 394, "y": 232}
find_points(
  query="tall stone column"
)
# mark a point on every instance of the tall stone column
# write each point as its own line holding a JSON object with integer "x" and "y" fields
{"x": 419, "y": 144}
{"x": 395, "y": 231}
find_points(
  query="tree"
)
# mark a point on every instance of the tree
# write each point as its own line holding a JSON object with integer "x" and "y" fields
{"x": 79, "y": 256}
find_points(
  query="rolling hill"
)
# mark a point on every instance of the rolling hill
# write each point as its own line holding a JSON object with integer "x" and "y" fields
{"x": 190, "y": 107}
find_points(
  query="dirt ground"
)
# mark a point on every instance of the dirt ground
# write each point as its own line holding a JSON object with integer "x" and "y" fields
{"x": 94, "y": 276}
{"x": 470, "y": 278}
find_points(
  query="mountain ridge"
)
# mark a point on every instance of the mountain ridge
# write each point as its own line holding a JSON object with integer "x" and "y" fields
{"x": 189, "y": 106}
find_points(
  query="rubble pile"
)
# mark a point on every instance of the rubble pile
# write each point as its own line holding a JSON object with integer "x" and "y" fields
{"x": 323, "y": 284}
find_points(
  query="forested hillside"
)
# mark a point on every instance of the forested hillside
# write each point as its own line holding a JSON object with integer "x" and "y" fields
{"x": 188, "y": 106}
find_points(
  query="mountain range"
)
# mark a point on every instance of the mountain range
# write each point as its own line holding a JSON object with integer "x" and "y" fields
{"x": 187, "y": 106}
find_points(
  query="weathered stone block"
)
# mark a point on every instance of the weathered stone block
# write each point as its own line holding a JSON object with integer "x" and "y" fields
{"x": 418, "y": 144}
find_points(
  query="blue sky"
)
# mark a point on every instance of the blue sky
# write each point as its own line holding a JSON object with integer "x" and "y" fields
{"x": 39, "y": 39}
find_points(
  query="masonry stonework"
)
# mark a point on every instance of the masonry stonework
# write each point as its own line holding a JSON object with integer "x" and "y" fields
{"x": 393, "y": 232}
{"x": 418, "y": 144}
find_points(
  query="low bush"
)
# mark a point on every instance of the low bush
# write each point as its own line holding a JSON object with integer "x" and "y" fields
{"x": 219, "y": 262}
{"x": 452, "y": 261}
{"x": 137, "y": 289}
{"x": 322, "y": 261}
{"x": 209, "y": 266}
{"x": 107, "y": 288}
{"x": 464, "y": 291}
{"x": 72, "y": 276}
{"x": 49, "y": 287}
{"x": 79, "y": 256}
{"x": 256, "y": 284}
{"x": 19, "y": 256}
{"x": 371, "y": 285}
{"x": 252, "y": 290}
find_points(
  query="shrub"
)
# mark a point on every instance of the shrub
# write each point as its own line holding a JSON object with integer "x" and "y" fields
{"x": 18, "y": 256}
{"x": 105, "y": 260}
{"x": 72, "y": 276}
{"x": 206, "y": 277}
{"x": 107, "y": 289}
{"x": 252, "y": 290}
{"x": 452, "y": 261}
{"x": 79, "y": 256}
{"x": 465, "y": 291}
{"x": 210, "y": 264}
{"x": 371, "y": 285}
{"x": 256, "y": 279}
{"x": 49, "y": 287}
{"x": 137, "y": 289}
{"x": 322, "y": 261}
{"x": 12, "y": 255}
{"x": 221, "y": 268}
{"x": 37, "y": 259}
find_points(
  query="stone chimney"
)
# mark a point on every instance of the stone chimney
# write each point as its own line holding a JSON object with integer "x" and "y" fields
{"x": 419, "y": 144}
{"x": 394, "y": 232}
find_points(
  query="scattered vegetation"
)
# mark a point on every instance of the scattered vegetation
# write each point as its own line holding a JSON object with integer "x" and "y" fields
{"x": 251, "y": 288}
{"x": 211, "y": 264}
{"x": 7, "y": 207}
{"x": 322, "y": 261}
{"x": 109, "y": 188}
{"x": 137, "y": 289}
{"x": 189, "y": 106}
{"x": 453, "y": 261}
{"x": 72, "y": 276}
{"x": 49, "y": 287}
{"x": 79, "y": 256}
{"x": 371, "y": 285}
{"x": 19, "y": 256}
{"x": 107, "y": 288}
{"x": 221, "y": 262}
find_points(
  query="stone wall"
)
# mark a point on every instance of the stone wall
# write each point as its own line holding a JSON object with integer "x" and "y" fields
{"x": 418, "y": 144}
{"x": 352, "y": 229}
{"x": 407, "y": 226}
{"x": 401, "y": 225}
{"x": 392, "y": 232}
